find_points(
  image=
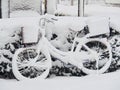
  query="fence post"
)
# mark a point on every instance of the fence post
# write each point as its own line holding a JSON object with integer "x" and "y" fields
{"x": 8, "y": 8}
{"x": 72, "y": 2}
{"x": 0, "y": 9}
{"x": 80, "y": 8}
{"x": 41, "y": 7}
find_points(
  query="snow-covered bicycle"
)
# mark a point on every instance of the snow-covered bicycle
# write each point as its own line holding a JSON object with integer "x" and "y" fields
{"x": 91, "y": 55}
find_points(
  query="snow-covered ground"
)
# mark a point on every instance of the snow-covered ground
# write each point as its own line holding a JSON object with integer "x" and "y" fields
{"x": 108, "y": 81}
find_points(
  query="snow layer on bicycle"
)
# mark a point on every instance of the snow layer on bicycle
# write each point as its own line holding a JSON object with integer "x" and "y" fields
{"x": 11, "y": 39}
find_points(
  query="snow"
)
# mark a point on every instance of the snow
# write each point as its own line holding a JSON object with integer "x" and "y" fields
{"x": 108, "y": 81}
{"x": 98, "y": 25}
{"x": 100, "y": 10}
{"x": 24, "y": 13}
{"x": 28, "y": 21}
{"x": 113, "y": 1}
{"x": 13, "y": 24}
{"x": 18, "y": 22}
{"x": 115, "y": 22}
{"x": 30, "y": 18}
{"x": 62, "y": 27}
{"x": 28, "y": 35}
{"x": 66, "y": 10}
{"x": 90, "y": 10}
{"x": 5, "y": 36}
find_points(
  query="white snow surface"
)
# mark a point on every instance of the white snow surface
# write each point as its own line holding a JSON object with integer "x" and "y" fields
{"x": 24, "y": 13}
{"x": 90, "y": 10}
{"x": 108, "y": 81}
{"x": 101, "y": 10}
{"x": 12, "y": 24}
{"x": 98, "y": 25}
{"x": 115, "y": 22}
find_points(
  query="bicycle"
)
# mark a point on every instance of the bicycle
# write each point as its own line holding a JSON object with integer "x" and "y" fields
{"x": 35, "y": 62}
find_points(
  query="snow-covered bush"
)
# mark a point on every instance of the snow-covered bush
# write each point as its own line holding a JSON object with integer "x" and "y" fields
{"x": 61, "y": 69}
{"x": 61, "y": 35}
{"x": 62, "y": 38}
{"x": 10, "y": 40}
{"x": 65, "y": 43}
{"x": 114, "y": 40}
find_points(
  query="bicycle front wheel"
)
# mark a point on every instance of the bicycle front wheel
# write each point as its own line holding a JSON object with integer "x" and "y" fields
{"x": 25, "y": 67}
{"x": 100, "y": 56}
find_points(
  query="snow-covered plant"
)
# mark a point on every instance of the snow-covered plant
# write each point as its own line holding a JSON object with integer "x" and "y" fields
{"x": 114, "y": 40}
{"x": 9, "y": 42}
{"x": 60, "y": 68}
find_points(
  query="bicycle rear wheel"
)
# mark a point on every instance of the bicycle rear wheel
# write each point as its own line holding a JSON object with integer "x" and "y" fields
{"x": 101, "y": 58}
{"x": 25, "y": 67}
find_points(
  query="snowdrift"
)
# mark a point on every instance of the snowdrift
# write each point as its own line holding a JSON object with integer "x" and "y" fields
{"x": 94, "y": 82}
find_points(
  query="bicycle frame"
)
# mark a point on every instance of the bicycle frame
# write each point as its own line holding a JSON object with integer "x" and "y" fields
{"x": 76, "y": 56}
{"x": 70, "y": 56}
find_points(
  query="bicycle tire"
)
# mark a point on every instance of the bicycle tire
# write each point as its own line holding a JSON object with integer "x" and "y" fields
{"x": 38, "y": 75}
{"x": 106, "y": 65}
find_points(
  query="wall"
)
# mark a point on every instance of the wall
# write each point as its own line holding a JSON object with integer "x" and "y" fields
{"x": 25, "y": 5}
{"x": 13, "y": 5}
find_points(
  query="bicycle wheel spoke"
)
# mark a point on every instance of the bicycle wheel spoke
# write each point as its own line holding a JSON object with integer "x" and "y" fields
{"x": 104, "y": 54}
{"x": 97, "y": 65}
{"x": 28, "y": 55}
{"x": 23, "y": 69}
{"x": 101, "y": 55}
{"x": 42, "y": 63}
{"x": 22, "y": 65}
